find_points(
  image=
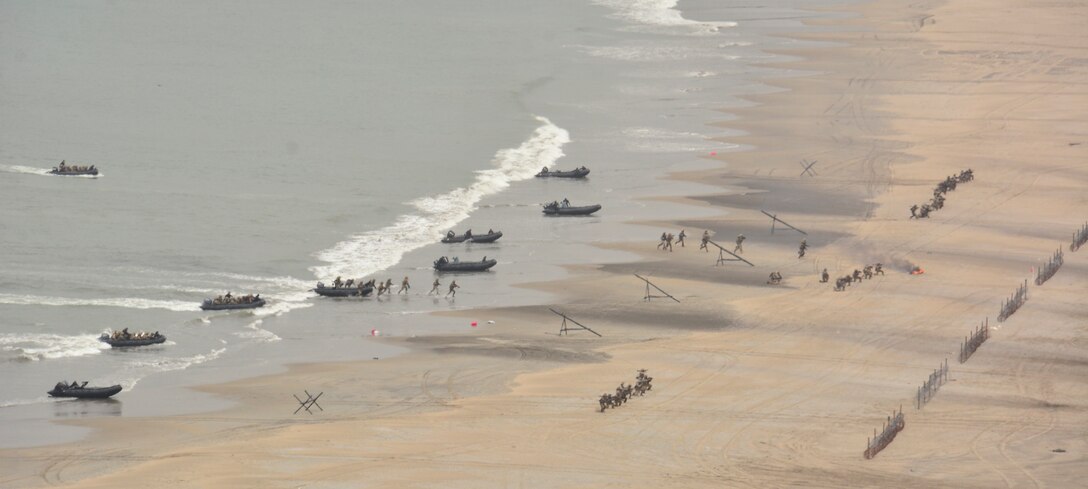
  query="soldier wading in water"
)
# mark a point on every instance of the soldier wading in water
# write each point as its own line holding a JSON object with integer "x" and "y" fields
{"x": 434, "y": 288}
{"x": 453, "y": 289}
{"x": 404, "y": 286}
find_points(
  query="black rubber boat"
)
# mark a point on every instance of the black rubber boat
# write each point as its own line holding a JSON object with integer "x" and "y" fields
{"x": 352, "y": 291}
{"x": 443, "y": 265}
{"x": 208, "y": 305}
{"x": 490, "y": 237}
{"x": 122, "y": 342}
{"x": 486, "y": 238}
{"x": 83, "y": 392}
{"x": 575, "y": 173}
{"x": 88, "y": 171}
{"x": 557, "y": 210}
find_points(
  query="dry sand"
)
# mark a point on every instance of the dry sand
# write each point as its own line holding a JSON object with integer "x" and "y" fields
{"x": 754, "y": 385}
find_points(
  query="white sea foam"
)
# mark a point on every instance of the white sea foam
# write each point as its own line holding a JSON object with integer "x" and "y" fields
{"x": 43, "y": 346}
{"x": 371, "y": 251}
{"x": 660, "y": 13}
{"x": 129, "y": 302}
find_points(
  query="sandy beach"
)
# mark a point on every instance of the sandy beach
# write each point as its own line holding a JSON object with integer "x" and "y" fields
{"x": 754, "y": 385}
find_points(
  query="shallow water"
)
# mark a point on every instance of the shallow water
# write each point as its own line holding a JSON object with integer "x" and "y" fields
{"x": 260, "y": 150}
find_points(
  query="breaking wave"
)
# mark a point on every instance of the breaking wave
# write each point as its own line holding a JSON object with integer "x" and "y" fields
{"x": 659, "y": 13}
{"x": 372, "y": 251}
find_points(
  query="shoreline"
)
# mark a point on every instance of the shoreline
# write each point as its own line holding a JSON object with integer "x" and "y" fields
{"x": 792, "y": 351}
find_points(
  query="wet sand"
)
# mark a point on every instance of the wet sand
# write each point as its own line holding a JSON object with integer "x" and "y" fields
{"x": 754, "y": 385}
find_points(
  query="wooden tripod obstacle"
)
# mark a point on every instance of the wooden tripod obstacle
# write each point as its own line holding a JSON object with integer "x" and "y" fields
{"x": 721, "y": 255}
{"x": 309, "y": 402}
{"x": 775, "y": 219}
{"x": 565, "y": 329}
{"x": 651, "y": 296}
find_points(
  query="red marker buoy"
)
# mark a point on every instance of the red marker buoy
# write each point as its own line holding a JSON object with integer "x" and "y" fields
{"x": 374, "y": 332}
{"x": 713, "y": 153}
{"x": 474, "y": 324}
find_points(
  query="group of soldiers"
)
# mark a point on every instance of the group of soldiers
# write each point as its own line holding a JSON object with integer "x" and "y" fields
{"x": 64, "y": 385}
{"x": 555, "y": 204}
{"x": 340, "y": 283}
{"x": 865, "y": 273}
{"x": 231, "y": 299}
{"x": 626, "y": 391}
{"x": 125, "y": 335}
{"x": 668, "y": 238}
{"x": 937, "y": 202}
{"x": 386, "y": 287}
{"x": 64, "y": 167}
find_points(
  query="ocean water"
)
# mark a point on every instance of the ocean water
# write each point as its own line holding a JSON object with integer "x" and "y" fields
{"x": 261, "y": 148}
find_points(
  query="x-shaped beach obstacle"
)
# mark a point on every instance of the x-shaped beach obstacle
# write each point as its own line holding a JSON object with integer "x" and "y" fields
{"x": 808, "y": 168}
{"x": 309, "y": 402}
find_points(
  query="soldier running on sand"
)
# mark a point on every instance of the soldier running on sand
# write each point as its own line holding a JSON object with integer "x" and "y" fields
{"x": 453, "y": 288}
{"x": 404, "y": 286}
{"x": 825, "y": 277}
{"x": 664, "y": 237}
{"x": 434, "y": 288}
{"x": 706, "y": 239}
{"x": 739, "y": 248}
{"x": 801, "y": 250}
{"x": 680, "y": 238}
{"x": 668, "y": 242}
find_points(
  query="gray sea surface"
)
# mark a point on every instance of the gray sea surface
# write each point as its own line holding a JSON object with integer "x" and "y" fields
{"x": 261, "y": 147}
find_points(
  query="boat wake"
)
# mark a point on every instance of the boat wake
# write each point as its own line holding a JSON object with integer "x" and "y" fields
{"x": 128, "y": 302}
{"x": 30, "y": 170}
{"x": 143, "y": 367}
{"x": 254, "y": 331}
{"x": 369, "y": 252}
{"x": 32, "y": 347}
